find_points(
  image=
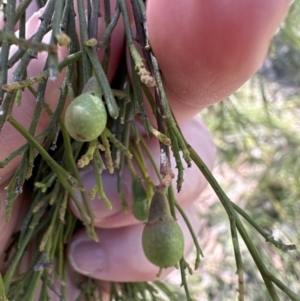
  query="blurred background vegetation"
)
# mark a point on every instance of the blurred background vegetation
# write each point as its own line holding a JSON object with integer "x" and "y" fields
{"x": 256, "y": 131}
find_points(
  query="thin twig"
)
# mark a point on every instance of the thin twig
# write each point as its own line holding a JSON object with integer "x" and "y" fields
{"x": 27, "y": 44}
{"x": 9, "y": 30}
{"x": 269, "y": 238}
{"x": 117, "y": 143}
{"x": 72, "y": 58}
{"x": 111, "y": 103}
{"x": 87, "y": 64}
{"x": 196, "y": 243}
{"x": 238, "y": 260}
{"x": 183, "y": 279}
{"x": 104, "y": 40}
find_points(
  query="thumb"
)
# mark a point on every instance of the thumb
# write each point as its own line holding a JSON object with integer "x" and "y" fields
{"x": 208, "y": 49}
{"x": 119, "y": 255}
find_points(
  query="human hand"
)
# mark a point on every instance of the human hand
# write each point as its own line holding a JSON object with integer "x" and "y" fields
{"x": 205, "y": 51}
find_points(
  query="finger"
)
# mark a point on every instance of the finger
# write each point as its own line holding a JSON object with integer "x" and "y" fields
{"x": 199, "y": 138}
{"x": 208, "y": 49}
{"x": 10, "y": 138}
{"x": 119, "y": 255}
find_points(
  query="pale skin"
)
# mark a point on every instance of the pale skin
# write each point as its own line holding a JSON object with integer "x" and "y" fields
{"x": 206, "y": 50}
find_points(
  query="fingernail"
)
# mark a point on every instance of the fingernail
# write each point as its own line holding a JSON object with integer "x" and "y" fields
{"x": 87, "y": 257}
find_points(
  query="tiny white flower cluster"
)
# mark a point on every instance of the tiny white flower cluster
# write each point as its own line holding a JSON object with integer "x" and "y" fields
{"x": 146, "y": 77}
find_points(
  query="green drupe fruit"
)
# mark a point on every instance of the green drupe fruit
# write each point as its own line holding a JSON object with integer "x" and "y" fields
{"x": 85, "y": 117}
{"x": 162, "y": 238}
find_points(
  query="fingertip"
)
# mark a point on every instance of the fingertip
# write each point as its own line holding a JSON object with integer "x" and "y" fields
{"x": 118, "y": 250}
{"x": 119, "y": 256}
{"x": 208, "y": 49}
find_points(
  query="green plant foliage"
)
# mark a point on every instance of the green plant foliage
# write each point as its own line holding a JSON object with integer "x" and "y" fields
{"x": 256, "y": 131}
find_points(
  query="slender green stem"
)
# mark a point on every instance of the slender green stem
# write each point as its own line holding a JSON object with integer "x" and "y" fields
{"x": 61, "y": 173}
{"x": 56, "y": 21}
{"x": 49, "y": 232}
{"x": 2, "y": 290}
{"x": 9, "y": 30}
{"x": 15, "y": 57}
{"x": 167, "y": 113}
{"x": 44, "y": 295}
{"x": 98, "y": 167}
{"x": 27, "y": 44}
{"x": 238, "y": 260}
{"x": 72, "y": 165}
{"x": 172, "y": 201}
{"x": 72, "y": 58}
{"x": 54, "y": 165}
{"x": 87, "y": 65}
{"x": 137, "y": 98}
{"x": 60, "y": 250}
{"x": 176, "y": 154}
{"x": 111, "y": 103}
{"x": 183, "y": 279}
{"x": 145, "y": 75}
{"x": 142, "y": 160}
{"x": 139, "y": 162}
{"x": 13, "y": 191}
{"x": 139, "y": 159}
{"x": 160, "y": 136}
{"x": 87, "y": 157}
{"x": 58, "y": 11}
{"x": 107, "y": 51}
{"x": 107, "y": 153}
{"x": 42, "y": 30}
{"x": 32, "y": 288}
{"x": 269, "y": 238}
{"x": 71, "y": 221}
{"x": 104, "y": 40}
{"x": 149, "y": 97}
{"x": 131, "y": 168}
{"x": 149, "y": 155}
{"x": 21, "y": 9}
{"x": 284, "y": 288}
{"x": 7, "y": 107}
{"x": 196, "y": 243}
{"x": 117, "y": 143}
{"x": 20, "y": 252}
{"x": 26, "y": 164}
{"x": 271, "y": 288}
{"x": 63, "y": 207}
{"x": 181, "y": 143}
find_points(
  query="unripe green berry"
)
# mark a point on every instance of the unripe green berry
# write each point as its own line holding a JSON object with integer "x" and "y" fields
{"x": 85, "y": 117}
{"x": 162, "y": 238}
{"x": 163, "y": 243}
